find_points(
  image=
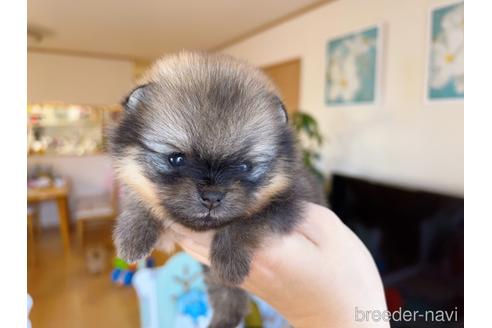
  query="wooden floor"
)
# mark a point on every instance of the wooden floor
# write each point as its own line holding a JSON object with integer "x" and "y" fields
{"x": 65, "y": 294}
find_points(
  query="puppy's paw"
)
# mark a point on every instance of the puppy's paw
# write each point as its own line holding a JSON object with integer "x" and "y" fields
{"x": 135, "y": 236}
{"x": 232, "y": 267}
{"x": 132, "y": 250}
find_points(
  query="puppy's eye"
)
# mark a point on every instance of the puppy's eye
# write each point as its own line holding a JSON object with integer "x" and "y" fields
{"x": 244, "y": 167}
{"x": 176, "y": 160}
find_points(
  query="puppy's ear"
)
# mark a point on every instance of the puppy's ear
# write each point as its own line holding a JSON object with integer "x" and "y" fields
{"x": 282, "y": 110}
{"x": 135, "y": 98}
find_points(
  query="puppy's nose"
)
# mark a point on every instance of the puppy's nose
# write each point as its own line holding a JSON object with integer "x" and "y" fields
{"x": 211, "y": 199}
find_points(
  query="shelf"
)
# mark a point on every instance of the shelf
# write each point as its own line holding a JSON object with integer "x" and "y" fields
{"x": 82, "y": 128}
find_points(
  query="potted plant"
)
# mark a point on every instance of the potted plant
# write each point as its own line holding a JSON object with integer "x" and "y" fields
{"x": 310, "y": 138}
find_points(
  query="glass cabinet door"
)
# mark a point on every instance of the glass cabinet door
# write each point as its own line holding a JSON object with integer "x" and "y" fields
{"x": 61, "y": 129}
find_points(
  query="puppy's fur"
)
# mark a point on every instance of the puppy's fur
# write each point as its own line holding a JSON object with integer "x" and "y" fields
{"x": 224, "y": 124}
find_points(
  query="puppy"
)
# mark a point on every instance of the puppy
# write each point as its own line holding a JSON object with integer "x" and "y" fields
{"x": 204, "y": 142}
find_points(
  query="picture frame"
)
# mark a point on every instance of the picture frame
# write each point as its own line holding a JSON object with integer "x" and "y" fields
{"x": 353, "y": 67}
{"x": 444, "y": 70}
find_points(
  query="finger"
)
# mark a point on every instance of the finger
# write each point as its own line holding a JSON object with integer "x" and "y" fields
{"x": 203, "y": 239}
{"x": 199, "y": 256}
{"x": 316, "y": 224}
{"x": 178, "y": 228}
{"x": 198, "y": 250}
{"x": 309, "y": 226}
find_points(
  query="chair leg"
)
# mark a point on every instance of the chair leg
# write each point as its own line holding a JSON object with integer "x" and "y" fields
{"x": 80, "y": 232}
{"x": 36, "y": 222}
{"x": 30, "y": 227}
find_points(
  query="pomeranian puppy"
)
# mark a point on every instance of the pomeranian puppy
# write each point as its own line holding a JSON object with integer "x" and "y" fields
{"x": 204, "y": 142}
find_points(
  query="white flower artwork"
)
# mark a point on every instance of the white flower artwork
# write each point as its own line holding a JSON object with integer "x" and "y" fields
{"x": 344, "y": 80}
{"x": 446, "y": 59}
{"x": 351, "y": 75}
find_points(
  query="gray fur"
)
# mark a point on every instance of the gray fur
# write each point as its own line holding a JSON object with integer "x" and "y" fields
{"x": 217, "y": 112}
{"x": 233, "y": 302}
{"x": 137, "y": 231}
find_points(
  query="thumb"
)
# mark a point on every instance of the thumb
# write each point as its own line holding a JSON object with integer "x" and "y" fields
{"x": 197, "y": 244}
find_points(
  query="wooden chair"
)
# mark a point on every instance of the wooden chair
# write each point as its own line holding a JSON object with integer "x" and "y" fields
{"x": 32, "y": 221}
{"x": 95, "y": 208}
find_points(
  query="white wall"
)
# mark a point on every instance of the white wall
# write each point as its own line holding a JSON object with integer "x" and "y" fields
{"x": 403, "y": 140}
{"x": 79, "y": 80}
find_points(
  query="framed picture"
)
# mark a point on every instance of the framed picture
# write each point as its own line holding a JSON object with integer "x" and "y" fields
{"x": 445, "y": 68}
{"x": 352, "y": 68}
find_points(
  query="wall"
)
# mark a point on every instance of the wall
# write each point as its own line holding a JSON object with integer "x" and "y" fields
{"x": 76, "y": 80}
{"x": 403, "y": 140}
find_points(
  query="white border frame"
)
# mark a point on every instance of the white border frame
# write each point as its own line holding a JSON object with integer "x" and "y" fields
{"x": 428, "y": 49}
{"x": 379, "y": 62}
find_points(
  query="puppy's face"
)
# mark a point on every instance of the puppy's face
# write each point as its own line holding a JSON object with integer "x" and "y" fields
{"x": 204, "y": 141}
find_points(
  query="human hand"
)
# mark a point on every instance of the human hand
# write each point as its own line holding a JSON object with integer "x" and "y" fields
{"x": 315, "y": 277}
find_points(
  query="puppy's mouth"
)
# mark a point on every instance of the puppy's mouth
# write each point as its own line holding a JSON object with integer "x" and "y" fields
{"x": 213, "y": 214}
{"x": 207, "y": 215}
{"x": 202, "y": 219}
{"x": 203, "y": 223}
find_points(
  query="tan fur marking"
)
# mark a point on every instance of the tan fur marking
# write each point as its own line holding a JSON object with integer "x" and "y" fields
{"x": 265, "y": 194}
{"x": 131, "y": 174}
